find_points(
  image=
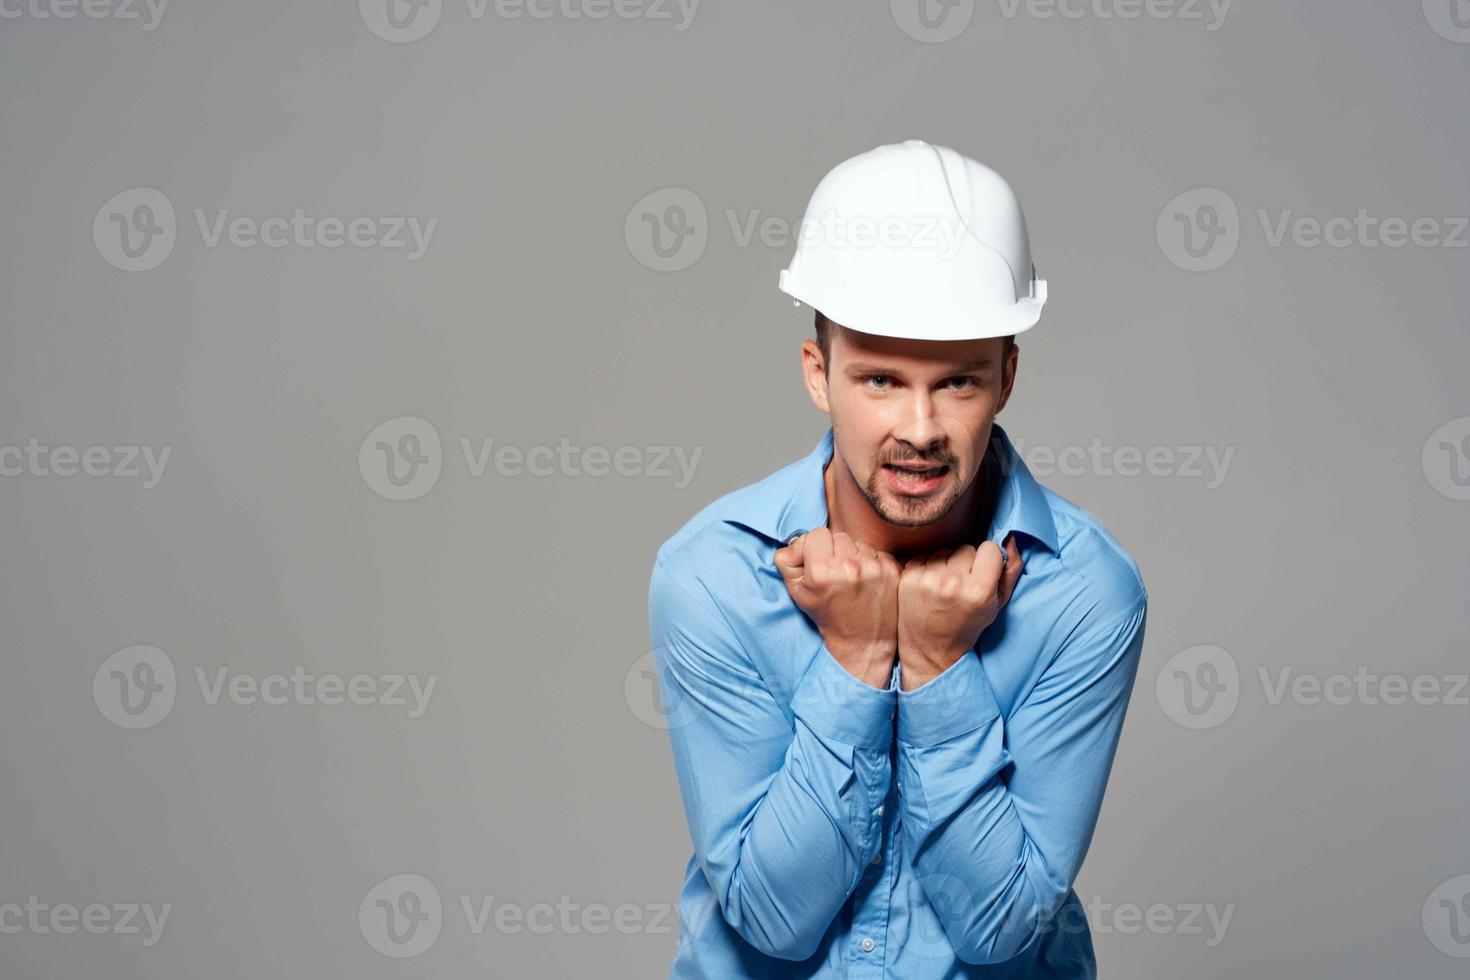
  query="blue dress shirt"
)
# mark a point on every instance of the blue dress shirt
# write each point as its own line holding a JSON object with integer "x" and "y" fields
{"x": 843, "y": 830}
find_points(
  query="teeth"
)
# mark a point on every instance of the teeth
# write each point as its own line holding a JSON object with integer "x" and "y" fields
{"x": 917, "y": 476}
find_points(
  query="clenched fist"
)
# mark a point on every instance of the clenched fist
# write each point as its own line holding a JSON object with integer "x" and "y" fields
{"x": 850, "y": 590}
{"x": 945, "y": 600}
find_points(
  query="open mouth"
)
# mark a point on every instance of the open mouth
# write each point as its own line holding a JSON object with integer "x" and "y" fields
{"x": 914, "y": 473}
{"x": 914, "y": 479}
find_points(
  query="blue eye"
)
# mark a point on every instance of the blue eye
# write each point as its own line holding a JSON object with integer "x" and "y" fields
{"x": 973, "y": 382}
{"x": 876, "y": 377}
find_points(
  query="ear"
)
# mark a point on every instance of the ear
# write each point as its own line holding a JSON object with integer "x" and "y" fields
{"x": 813, "y": 373}
{"x": 1010, "y": 381}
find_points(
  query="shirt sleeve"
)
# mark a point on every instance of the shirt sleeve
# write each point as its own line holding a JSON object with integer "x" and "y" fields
{"x": 785, "y": 812}
{"x": 998, "y": 813}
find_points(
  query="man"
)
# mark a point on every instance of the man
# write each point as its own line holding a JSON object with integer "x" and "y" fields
{"x": 895, "y": 671}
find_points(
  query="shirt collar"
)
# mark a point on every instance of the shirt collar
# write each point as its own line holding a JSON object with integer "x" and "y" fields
{"x": 799, "y": 503}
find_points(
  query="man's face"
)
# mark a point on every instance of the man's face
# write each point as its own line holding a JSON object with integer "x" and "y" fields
{"x": 911, "y": 418}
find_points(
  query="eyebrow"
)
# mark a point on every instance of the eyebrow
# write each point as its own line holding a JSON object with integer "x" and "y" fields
{"x": 861, "y": 367}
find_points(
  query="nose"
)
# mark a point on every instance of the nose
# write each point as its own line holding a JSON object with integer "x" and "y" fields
{"x": 921, "y": 428}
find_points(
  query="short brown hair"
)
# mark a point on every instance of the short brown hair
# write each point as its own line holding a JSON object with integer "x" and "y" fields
{"x": 824, "y": 341}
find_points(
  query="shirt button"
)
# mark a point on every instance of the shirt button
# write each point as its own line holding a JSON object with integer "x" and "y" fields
{"x": 868, "y": 945}
{"x": 877, "y": 858}
{"x": 880, "y": 809}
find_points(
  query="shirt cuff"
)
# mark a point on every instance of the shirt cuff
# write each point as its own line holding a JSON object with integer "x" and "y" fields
{"x": 955, "y": 703}
{"x": 836, "y": 704}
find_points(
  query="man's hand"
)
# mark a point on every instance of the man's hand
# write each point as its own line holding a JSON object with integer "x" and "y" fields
{"x": 850, "y": 590}
{"x": 945, "y": 601}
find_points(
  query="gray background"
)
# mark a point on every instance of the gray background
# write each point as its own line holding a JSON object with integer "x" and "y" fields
{"x": 1335, "y": 543}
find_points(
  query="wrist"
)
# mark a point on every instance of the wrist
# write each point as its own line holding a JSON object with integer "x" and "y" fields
{"x": 920, "y": 667}
{"x": 871, "y": 663}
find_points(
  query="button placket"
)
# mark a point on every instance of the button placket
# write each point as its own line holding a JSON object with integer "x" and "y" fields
{"x": 871, "y": 928}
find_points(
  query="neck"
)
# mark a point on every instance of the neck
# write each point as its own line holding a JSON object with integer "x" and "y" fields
{"x": 968, "y": 521}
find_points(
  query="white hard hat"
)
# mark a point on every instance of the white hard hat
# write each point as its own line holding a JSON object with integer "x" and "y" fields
{"x": 917, "y": 241}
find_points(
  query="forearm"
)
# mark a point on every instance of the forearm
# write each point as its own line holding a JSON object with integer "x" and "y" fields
{"x": 783, "y": 812}
{"x": 999, "y": 810}
{"x": 987, "y": 881}
{"x": 808, "y": 840}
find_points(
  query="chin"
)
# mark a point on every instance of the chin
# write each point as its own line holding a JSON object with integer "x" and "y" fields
{"x": 906, "y": 512}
